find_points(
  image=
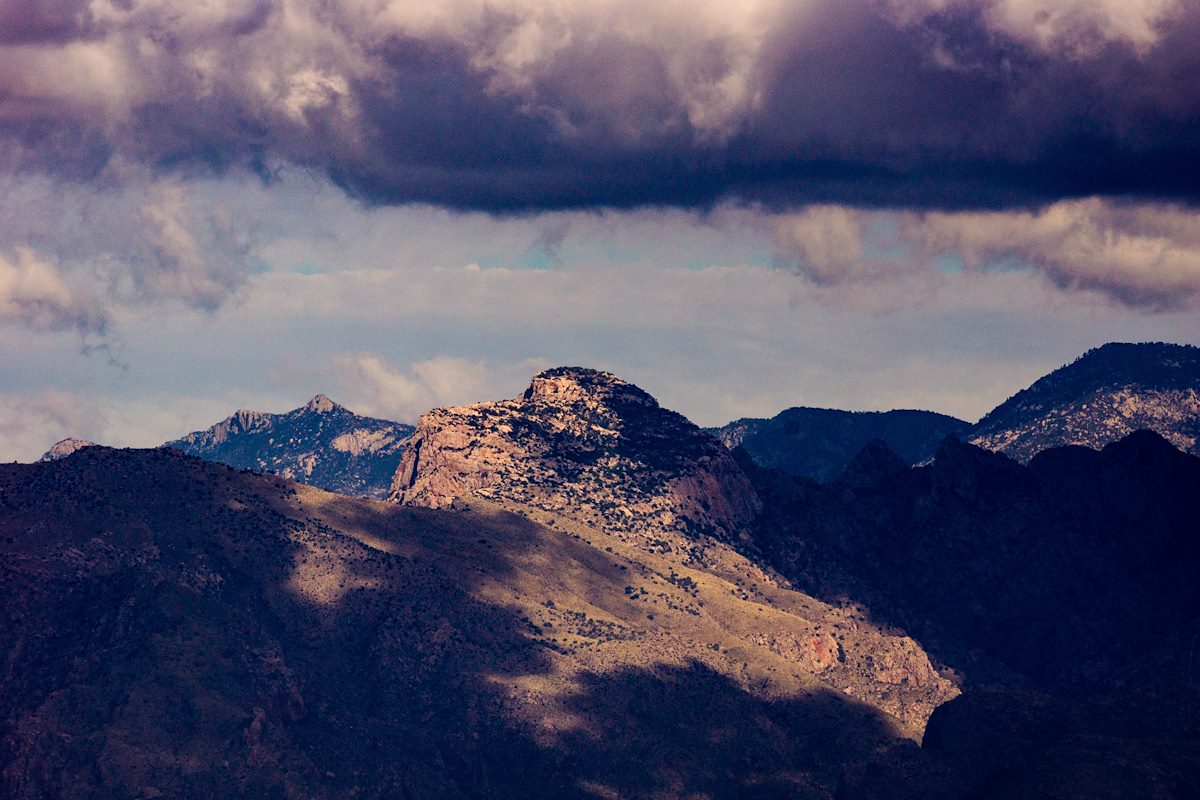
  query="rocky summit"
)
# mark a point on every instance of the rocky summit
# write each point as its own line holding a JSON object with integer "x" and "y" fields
{"x": 1103, "y": 395}
{"x": 64, "y": 448}
{"x": 589, "y": 446}
{"x": 321, "y": 443}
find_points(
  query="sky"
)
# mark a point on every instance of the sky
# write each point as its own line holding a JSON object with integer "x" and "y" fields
{"x": 740, "y": 207}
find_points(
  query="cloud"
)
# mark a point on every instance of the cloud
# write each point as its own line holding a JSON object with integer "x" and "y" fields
{"x": 1139, "y": 255}
{"x": 31, "y": 422}
{"x": 33, "y": 293}
{"x": 132, "y": 240}
{"x": 1076, "y": 28}
{"x": 1142, "y": 255}
{"x": 828, "y": 239}
{"x": 526, "y": 105}
{"x": 385, "y": 391}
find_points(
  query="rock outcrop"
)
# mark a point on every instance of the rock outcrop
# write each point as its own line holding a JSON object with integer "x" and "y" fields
{"x": 321, "y": 443}
{"x": 64, "y": 448}
{"x": 585, "y": 445}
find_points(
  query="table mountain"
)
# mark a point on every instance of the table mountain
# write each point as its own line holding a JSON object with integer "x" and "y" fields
{"x": 819, "y": 443}
{"x": 171, "y": 627}
{"x": 1100, "y": 397}
{"x": 321, "y": 443}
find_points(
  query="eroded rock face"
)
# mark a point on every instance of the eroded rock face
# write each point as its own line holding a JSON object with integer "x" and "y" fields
{"x": 587, "y": 445}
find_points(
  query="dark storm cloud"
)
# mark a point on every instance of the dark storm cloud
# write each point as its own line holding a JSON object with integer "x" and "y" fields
{"x": 529, "y": 105}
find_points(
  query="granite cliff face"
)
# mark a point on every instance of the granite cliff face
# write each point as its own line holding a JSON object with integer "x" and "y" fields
{"x": 321, "y": 443}
{"x": 819, "y": 443}
{"x": 1102, "y": 396}
{"x": 588, "y": 446}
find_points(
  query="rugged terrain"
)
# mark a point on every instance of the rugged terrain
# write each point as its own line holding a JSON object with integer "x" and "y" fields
{"x": 578, "y": 593}
{"x": 321, "y": 443}
{"x": 819, "y": 443}
{"x": 1104, "y": 395}
{"x": 176, "y": 628}
{"x": 1065, "y": 593}
{"x": 1100, "y": 397}
{"x": 589, "y": 446}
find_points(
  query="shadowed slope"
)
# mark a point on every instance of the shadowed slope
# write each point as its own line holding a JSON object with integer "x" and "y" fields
{"x": 177, "y": 628}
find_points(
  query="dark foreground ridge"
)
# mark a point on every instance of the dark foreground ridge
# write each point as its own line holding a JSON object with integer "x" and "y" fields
{"x": 1066, "y": 593}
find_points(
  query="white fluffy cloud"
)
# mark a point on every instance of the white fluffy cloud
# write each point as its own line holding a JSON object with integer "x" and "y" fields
{"x": 1139, "y": 255}
{"x": 377, "y": 388}
{"x": 34, "y": 293}
{"x": 1077, "y": 27}
{"x": 1142, "y": 255}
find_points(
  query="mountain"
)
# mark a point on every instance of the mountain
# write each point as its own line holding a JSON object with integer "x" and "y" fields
{"x": 819, "y": 443}
{"x": 64, "y": 448}
{"x": 1100, "y": 397}
{"x": 171, "y": 627}
{"x": 321, "y": 443}
{"x": 1060, "y": 574}
{"x": 1065, "y": 593}
{"x": 587, "y": 445}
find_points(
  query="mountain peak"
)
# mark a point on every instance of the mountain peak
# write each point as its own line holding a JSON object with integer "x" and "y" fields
{"x": 1105, "y": 394}
{"x": 321, "y": 404}
{"x": 64, "y": 448}
{"x": 586, "y": 444}
{"x": 320, "y": 443}
{"x": 569, "y": 385}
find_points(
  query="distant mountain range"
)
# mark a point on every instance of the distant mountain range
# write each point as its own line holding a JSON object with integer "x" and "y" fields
{"x": 819, "y": 443}
{"x": 1102, "y": 396}
{"x": 321, "y": 443}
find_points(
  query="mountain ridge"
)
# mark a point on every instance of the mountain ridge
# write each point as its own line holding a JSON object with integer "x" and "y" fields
{"x": 321, "y": 443}
{"x": 1105, "y": 394}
